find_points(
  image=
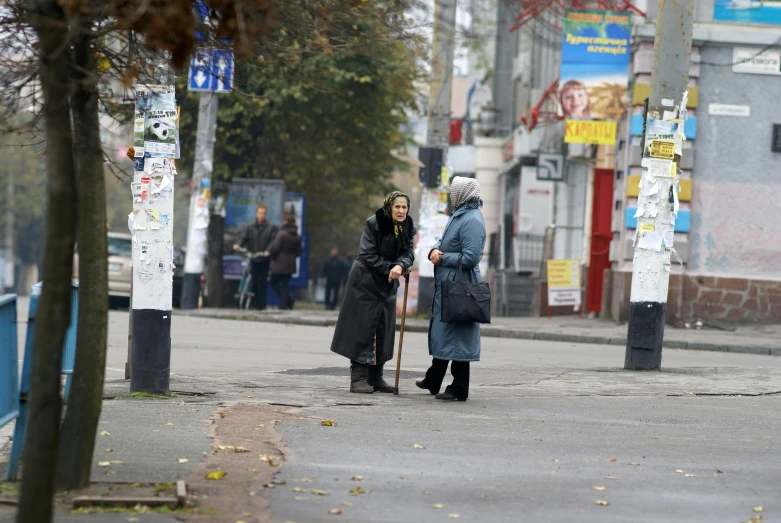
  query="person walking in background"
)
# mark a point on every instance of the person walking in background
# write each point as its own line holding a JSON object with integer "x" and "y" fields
{"x": 283, "y": 253}
{"x": 456, "y": 342}
{"x": 333, "y": 274}
{"x": 366, "y": 328}
{"x": 258, "y": 237}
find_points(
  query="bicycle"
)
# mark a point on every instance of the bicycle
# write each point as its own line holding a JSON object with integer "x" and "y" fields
{"x": 245, "y": 293}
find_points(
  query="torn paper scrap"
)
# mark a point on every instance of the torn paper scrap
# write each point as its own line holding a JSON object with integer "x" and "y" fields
{"x": 651, "y": 241}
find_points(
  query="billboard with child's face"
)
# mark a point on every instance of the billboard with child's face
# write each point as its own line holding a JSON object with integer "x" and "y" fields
{"x": 594, "y": 74}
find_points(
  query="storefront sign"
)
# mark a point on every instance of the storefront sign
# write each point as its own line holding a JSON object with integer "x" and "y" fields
{"x": 729, "y": 110}
{"x": 563, "y": 282}
{"x": 594, "y": 74}
{"x": 756, "y": 61}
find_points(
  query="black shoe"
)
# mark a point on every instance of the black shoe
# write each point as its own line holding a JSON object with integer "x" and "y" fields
{"x": 358, "y": 375}
{"x": 376, "y": 380}
{"x": 422, "y": 385}
{"x": 449, "y": 397}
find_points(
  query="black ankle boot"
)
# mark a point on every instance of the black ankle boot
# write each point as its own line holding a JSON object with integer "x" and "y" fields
{"x": 358, "y": 375}
{"x": 376, "y": 380}
{"x": 423, "y": 385}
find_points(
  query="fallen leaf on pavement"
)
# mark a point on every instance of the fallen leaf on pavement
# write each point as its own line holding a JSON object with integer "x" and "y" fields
{"x": 599, "y": 488}
{"x": 335, "y": 511}
{"x": 241, "y": 449}
{"x": 268, "y": 459}
{"x": 223, "y": 414}
{"x": 426, "y": 492}
{"x": 111, "y": 473}
{"x": 759, "y": 508}
{"x": 104, "y": 463}
{"x": 169, "y": 424}
{"x": 359, "y": 490}
{"x": 216, "y": 475}
{"x": 261, "y": 425}
{"x": 453, "y": 516}
{"x": 613, "y": 460}
{"x": 117, "y": 462}
{"x": 301, "y": 498}
{"x": 306, "y": 480}
{"x": 416, "y": 446}
{"x": 554, "y": 460}
{"x": 328, "y": 423}
{"x": 270, "y": 485}
{"x": 347, "y": 504}
{"x": 437, "y": 505}
{"x": 182, "y": 461}
{"x": 356, "y": 478}
{"x": 298, "y": 489}
{"x": 318, "y": 492}
{"x": 105, "y": 433}
{"x": 635, "y": 464}
{"x": 109, "y": 450}
{"x": 405, "y": 478}
{"x": 610, "y": 477}
{"x": 601, "y": 502}
{"x": 250, "y": 396}
{"x": 719, "y": 472}
{"x": 690, "y": 475}
{"x": 679, "y": 471}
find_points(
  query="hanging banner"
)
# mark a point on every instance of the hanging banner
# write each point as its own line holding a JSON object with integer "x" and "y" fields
{"x": 594, "y": 75}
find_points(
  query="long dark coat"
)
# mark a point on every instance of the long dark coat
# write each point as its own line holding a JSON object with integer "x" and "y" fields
{"x": 369, "y": 303}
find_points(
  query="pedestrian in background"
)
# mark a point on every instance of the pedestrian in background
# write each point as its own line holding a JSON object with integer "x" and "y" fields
{"x": 456, "y": 342}
{"x": 283, "y": 253}
{"x": 366, "y": 329}
{"x": 333, "y": 274}
{"x": 257, "y": 238}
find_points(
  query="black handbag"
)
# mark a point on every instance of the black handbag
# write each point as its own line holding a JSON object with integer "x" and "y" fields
{"x": 465, "y": 301}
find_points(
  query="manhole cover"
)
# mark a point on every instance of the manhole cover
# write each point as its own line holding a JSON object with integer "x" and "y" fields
{"x": 345, "y": 371}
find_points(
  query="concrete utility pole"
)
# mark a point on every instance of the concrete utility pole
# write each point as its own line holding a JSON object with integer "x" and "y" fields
{"x": 199, "y": 214}
{"x": 657, "y": 204}
{"x": 8, "y": 278}
{"x": 438, "y": 118}
{"x": 440, "y": 84}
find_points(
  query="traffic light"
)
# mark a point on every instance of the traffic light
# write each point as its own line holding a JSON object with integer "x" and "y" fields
{"x": 430, "y": 173}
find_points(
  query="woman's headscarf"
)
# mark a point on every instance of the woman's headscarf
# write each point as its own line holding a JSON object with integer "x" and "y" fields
{"x": 464, "y": 190}
{"x": 387, "y": 208}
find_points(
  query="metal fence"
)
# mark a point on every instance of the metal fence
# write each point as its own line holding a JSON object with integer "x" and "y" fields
{"x": 9, "y": 370}
{"x": 528, "y": 252}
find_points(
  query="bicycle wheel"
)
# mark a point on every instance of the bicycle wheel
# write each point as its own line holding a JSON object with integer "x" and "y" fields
{"x": 246, "y": 294}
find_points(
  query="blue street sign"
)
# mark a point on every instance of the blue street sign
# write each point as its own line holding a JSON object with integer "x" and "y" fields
{"x": 211, "y": 70}
{"x": 200, "y": 71}
{"x": 222, "y": 70}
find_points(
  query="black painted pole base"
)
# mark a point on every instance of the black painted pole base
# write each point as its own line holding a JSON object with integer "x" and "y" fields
{"x": 646, "y": 335}
{"x": 191, "y": 289}
{"x": 151, "y": 361}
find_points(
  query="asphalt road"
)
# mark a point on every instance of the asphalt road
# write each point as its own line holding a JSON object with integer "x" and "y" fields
{"x": 545, "y": 424}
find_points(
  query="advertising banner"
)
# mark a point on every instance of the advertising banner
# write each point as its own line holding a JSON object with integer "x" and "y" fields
{"x": 748, "y": 11}
{"x": 594, "y": 74}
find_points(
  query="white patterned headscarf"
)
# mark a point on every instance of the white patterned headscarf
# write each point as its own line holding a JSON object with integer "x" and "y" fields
{"x": 464, "y": 190}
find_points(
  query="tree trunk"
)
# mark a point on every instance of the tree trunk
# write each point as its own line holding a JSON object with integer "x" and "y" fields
{"x": 43, "y": 429}
{"x": 77, "y": 441}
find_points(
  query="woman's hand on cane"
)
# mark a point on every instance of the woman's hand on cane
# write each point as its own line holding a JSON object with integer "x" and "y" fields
{"x": 395, "y": 273}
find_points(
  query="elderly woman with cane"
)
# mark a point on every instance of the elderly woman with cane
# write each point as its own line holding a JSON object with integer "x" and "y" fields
{"x": 366, "y": 328}
{"x": 461, "y": 248}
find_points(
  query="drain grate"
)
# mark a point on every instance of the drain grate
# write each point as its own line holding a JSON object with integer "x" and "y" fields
{"x": 345, "y": 371}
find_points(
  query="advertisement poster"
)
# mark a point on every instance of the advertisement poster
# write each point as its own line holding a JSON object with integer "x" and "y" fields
{"x": 563, "y": 282}
{"x": 155, "y": 121}
{"x": 594, "y": 74}
{"x": 748, "y": 11}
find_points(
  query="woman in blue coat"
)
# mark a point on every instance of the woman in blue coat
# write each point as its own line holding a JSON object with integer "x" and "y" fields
{"x": 455, "y": 342}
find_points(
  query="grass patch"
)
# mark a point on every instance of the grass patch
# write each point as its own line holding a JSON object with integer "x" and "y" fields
{"x": 163, "y": 488}
{"x": 9, "y": 487}
{"x": 143, "y": 509}
{"x": 146, "y": 395}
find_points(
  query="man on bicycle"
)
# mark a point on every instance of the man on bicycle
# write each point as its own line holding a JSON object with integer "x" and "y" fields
{"x": 257, "y": 238}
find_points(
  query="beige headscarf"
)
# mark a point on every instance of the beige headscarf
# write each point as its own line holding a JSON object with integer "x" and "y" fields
{"x": 464, "y": 190}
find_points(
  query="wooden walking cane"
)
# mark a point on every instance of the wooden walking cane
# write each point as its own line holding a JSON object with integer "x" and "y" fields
{"x": 401, "y": 334}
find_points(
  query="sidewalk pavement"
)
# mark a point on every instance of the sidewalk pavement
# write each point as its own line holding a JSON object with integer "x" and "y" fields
{"x": 746, "y": 339}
